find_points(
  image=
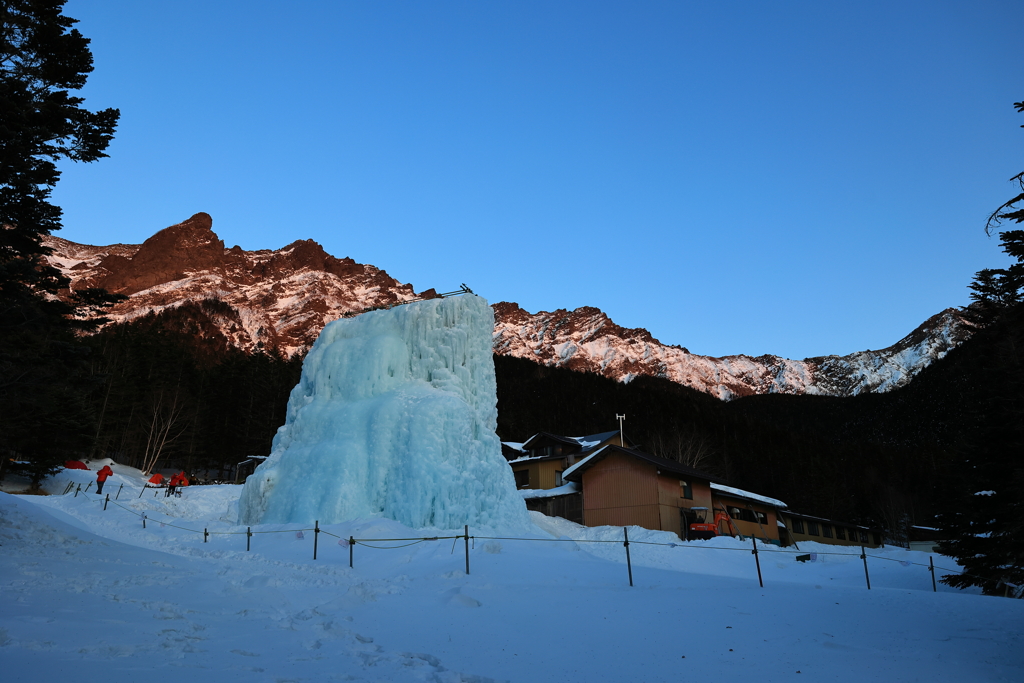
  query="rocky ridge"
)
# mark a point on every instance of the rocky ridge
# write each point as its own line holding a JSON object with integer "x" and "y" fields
{"x": 279, "y": 300}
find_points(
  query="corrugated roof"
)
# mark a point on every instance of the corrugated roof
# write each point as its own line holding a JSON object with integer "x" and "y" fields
{"x": 662, "y": 464}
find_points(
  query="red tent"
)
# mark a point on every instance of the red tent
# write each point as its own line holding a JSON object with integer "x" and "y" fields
{"x": 75, "y": 465}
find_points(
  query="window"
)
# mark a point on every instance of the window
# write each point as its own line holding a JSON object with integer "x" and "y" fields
{"x": 826, "y": 530}
{"x": 558, "y": 478}
{"x": 761, "y": 517}
{"x": 840, "y": 533}
{"x": 878, "y": 539}
{"x": 812, "y": 528}
{"x": 742, "y": 515}
{"x": 798, "y": 525}
{"x": 522, "y": 478}
{"x": 685, "y": 490}
{"x": 863, "y": 537}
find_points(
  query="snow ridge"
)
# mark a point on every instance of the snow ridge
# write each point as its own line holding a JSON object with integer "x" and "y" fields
{"x": 280, "y": 300}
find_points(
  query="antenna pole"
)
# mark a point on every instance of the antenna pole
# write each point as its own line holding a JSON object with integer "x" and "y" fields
{"x": 620, "y": 418}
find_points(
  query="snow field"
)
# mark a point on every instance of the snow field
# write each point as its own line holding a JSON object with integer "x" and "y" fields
{"x": 89, "y": 593}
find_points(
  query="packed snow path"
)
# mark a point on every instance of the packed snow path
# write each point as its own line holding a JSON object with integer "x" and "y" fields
{"x": 88, "y": 595}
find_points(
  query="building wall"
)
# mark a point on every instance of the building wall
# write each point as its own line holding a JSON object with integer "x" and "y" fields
{"x": 621, "y": 491}
{"x": 873, "y": 537}
{"x": 543, "y": 473}
{"x": 670, "y": 500}
{"x": 768, "y": 530}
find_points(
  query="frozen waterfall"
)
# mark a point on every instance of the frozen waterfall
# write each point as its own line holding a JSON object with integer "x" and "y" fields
{"x": 394, "y": 417}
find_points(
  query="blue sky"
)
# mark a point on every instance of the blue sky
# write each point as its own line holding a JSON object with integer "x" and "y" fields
{"x": 797, "y": 178}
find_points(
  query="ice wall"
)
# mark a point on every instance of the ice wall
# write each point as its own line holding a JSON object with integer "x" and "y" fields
{"x": 394, "y": 417}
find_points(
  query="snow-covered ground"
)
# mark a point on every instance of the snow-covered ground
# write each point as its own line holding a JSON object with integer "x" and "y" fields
{"x": 89, "y": 595}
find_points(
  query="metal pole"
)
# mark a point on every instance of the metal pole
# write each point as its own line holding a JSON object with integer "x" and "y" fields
{"x": 206, "y": 535}
{"x": 864, "y": 556}
{"x": 629, "y": 565}
{"x": 77, "y": 490}
{"x": 143, "y": 520}
{"x": 144, "y": 487}
{"x": 119, "y": 491}
{"x": 931, "y": 568}
{"x": 87, "y": 487}
{"x": 467, "y": 549}
{"x": 351, "y": 545}
{"x": 248, "y": 537}
{"x": 316, "y": 536}
{"x": 107, "y": 500}
{"x": 758, "y": 561}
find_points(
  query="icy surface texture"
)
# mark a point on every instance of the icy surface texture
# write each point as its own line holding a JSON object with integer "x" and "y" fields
{"x": 394, "y": 417}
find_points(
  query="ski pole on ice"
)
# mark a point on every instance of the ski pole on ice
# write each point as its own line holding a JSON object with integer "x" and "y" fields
{"x": 119, "y": 491}
{"x": 864, "y": 556}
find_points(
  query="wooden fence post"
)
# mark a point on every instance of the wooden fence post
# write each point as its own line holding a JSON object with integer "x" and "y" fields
{"x": 629, "y": 564}
{"x": 758, "y": 561}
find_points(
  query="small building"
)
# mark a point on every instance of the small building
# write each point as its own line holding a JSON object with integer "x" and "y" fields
{"x": 564, "y": 501}
{"x": 539, "y": 462}
{"x": 799, "y": 528}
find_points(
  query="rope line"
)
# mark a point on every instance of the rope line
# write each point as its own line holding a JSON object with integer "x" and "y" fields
{"x": 771, "y": 548}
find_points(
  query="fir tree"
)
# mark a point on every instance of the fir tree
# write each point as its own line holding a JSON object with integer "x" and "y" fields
{"x": 43, "y": 408}
{"x": 983, "y": 522}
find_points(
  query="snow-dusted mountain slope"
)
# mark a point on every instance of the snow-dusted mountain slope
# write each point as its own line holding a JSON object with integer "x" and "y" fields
{"x": 281, "y": 299}
{"x": 586, "y": 339}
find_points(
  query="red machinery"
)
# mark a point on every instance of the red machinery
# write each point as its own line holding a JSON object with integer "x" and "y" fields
{"x": 701, "y": 529}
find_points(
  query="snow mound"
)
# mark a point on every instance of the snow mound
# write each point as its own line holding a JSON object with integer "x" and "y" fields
{"x": 394, "y": 417}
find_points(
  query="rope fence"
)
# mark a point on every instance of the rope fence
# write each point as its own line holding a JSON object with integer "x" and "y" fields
{"x": 351, "y": 542}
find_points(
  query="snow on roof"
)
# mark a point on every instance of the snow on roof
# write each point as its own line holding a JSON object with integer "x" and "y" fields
{"x": 575, "y": 467}
{"x": 514, "y": 445}
{"x": 571, "y": 487}
{"x": 745, "y": 494}
{"x": 528, "y": 457}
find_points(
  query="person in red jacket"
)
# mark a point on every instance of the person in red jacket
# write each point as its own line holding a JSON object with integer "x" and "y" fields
{"x": 101, "y": 477}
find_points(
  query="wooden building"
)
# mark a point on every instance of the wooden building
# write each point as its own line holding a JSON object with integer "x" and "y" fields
{"x": 624, "y": 486}
{"x": 538, "y": 462}
{"x": 800, "y": 528}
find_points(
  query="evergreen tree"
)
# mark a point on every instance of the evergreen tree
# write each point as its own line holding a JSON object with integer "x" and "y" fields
{"x": 984, "y": 522}
{"x": 43, "y": 407}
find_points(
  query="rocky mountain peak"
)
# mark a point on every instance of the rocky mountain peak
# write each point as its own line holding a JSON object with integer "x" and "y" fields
{"x": 279, "y": 300}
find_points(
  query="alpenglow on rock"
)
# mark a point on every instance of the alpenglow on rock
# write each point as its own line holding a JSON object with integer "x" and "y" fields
{"x": 394, "y": 417}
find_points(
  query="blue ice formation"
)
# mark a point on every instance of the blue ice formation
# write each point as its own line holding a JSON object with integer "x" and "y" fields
{"x": 394, "y": 417}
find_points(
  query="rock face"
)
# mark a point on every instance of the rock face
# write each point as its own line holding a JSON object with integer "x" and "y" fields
{"x": 587, "y": 340}
{"x": 280, "y": 300}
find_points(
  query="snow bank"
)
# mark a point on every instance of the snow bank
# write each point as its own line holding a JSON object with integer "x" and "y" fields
{"x": 394, "y": 417}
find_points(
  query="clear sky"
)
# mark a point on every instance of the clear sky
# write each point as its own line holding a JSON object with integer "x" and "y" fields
{"x": 796, "y": 178}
